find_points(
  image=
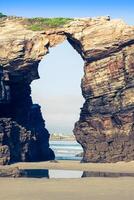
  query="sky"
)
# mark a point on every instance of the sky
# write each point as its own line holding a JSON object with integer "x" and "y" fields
{"x": 58, "y": 91}
{"x": 70, "y": 8}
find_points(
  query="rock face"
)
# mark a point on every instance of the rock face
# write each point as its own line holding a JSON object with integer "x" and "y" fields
{"x": 106, "y": 125}
{"x": 12, "y": 172}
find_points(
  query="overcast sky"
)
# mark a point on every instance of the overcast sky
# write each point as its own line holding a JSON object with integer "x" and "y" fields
{"x": 58, "y": 90}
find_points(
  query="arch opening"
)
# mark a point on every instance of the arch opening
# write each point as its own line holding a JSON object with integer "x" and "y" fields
{"x": 58, "y": 92}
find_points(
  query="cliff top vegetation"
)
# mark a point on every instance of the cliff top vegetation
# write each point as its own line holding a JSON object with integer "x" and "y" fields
{"x": 39, "y": 23}
{"x": 2, "y": 15}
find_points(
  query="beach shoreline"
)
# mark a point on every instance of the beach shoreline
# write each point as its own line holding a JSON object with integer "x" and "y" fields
{"x": 94, "y": 188}
{"x": 124, "y": 167}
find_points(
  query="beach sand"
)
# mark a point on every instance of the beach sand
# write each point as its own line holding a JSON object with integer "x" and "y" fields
{"x": 92, "y": 188}
{"x": 76, "y": 165}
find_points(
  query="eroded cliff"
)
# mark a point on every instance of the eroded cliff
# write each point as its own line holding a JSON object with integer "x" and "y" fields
{"x": 105, "y": 128}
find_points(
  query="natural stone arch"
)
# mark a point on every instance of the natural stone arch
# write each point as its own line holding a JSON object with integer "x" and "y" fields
{"x": 105, "y": 128}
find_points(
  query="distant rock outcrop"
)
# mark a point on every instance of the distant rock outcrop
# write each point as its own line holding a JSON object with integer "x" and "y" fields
{"x": 106, "y": 125}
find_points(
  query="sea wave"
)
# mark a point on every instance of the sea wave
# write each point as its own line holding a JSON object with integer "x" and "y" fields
{"x": 66, "y": 150}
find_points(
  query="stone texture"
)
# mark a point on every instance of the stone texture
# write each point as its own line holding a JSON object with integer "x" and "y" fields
{"x": 105, "y": 128}
{"x": 23, "y": 136}
{"x": 12, "y": 172}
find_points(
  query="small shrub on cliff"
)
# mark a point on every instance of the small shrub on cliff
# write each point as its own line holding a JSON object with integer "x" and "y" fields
{"x": 38, "y": 24}
{"x": 2, "y": 15}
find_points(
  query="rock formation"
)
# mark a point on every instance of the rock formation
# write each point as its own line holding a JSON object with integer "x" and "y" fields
{"x": 106, "y": 125}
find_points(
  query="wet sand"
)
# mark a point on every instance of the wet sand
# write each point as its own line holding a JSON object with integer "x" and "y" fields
{"x": 124, "y": 167}
{"x": 70, "y": 189}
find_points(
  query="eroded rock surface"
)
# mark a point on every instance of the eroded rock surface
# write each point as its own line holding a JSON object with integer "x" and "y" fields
{"x": 105, "y": 128}
{"x": 11, "y": 172}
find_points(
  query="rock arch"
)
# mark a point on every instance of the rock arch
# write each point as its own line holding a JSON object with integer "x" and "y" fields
{"x": 105, "y": 128}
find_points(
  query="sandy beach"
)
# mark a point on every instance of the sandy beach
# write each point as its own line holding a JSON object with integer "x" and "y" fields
{"x": 94, "y": 188}
{"x": 123, "y": 167}
{"x": 72, "y": 189}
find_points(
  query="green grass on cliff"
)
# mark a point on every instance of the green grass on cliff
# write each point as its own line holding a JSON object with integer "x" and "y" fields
{"x": 38, "y": 24}
{"x": 2, "y": 15}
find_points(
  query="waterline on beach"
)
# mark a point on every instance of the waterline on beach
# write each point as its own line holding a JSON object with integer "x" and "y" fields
{"x": 57, "y": 174}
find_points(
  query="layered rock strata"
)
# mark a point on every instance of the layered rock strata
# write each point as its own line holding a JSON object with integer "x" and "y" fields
{"x": 105, "y": 128}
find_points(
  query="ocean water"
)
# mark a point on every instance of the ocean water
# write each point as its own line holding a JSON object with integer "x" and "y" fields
{"x": 66, "y": 150}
